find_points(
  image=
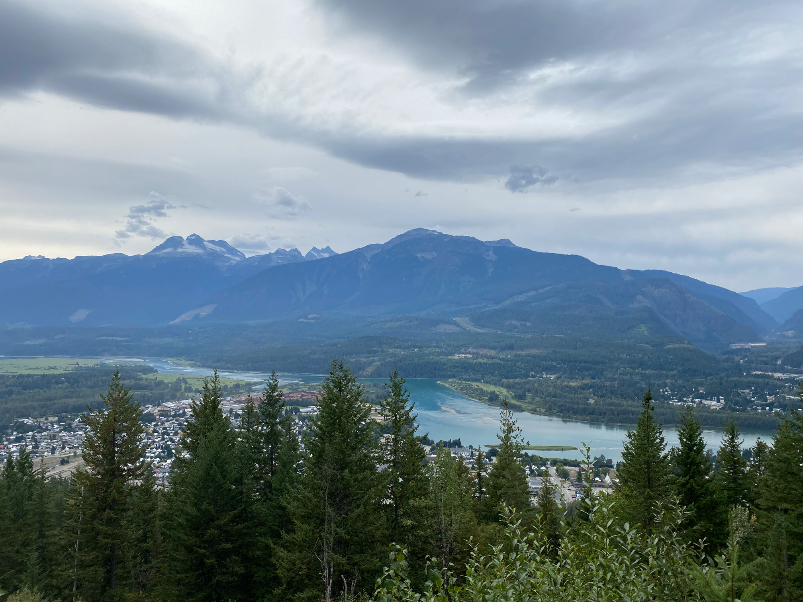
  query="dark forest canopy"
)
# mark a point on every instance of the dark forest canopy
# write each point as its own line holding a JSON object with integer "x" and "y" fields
{"x": 339, "y": 506}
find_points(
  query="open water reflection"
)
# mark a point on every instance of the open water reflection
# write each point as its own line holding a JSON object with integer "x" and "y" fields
{"x": 445, "y": 414}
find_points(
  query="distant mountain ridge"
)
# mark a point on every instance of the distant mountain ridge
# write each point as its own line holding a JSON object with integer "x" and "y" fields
{"x": 127, "y": 290}
{"x": 762, "y": 295}
{"x": 176, "y": 246}
{"x": 494, "y": 285}
{"x": 784, "y": 306}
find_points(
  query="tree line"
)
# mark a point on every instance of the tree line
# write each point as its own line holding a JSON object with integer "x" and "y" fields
{"x": 347, "y": 507}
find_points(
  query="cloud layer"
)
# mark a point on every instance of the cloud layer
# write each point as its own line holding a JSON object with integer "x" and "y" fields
{"x": 616, "y": 112}
{"x": 141, "y": 218}
{"x": 645, "y": 91}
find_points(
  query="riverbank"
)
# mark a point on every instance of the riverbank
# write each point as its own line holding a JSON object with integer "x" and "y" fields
{"x": 611, "y": 414}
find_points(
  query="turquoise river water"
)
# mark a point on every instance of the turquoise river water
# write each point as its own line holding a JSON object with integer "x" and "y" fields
{"x": 445, "y": 414}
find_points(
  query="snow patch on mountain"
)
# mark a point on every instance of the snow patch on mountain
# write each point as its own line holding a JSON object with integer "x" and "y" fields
{"x": 316, "y": 253}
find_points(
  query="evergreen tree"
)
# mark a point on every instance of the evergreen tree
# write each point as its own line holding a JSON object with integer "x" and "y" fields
{"x": 694, "y": 487}
{"x": 114, "y": 465}
{"x": 262, "y": 435}
{"x": 644, "y": 475}
{"x": 481, "y": 468}
{"x": 18, "y": 484}
{"x": 208, "y": 535}
{"x": 452, "y": 509}
{"x": 271, "y": 406}
{"x": 732, "y": 473}
{"x": 549, "y": 516}
{"x": 756, "y": 470}
{"x": 206, "y": 416}
{"x": 404, "y": 473}
{"x": 781, "y": 512}
{"x": 337, "y": 526}
{"x": 507, "y": 482}
{"x": 144, "y": 545}
{"x": 44, "y": 560}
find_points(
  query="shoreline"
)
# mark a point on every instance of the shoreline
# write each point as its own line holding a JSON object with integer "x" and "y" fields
{"x": 596, "y": 423}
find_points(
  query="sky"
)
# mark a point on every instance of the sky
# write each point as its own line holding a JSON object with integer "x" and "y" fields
{"x": 637, "y": 134}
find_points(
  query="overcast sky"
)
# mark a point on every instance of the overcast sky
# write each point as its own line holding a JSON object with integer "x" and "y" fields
{"x": 662, "y": 135}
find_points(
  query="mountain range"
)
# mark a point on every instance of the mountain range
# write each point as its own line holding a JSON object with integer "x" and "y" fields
{"x": 491, "y": 285}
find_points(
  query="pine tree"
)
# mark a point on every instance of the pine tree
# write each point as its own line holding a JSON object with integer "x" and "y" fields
{"x": 206, "y": 416}
{"x": 144, "y": 544}
{"x": 507, "y": 481}
{"x": 756, "y": 470}
{"x": 18, "y": 485}
{"x": 451, "y": 507}
{"x": 781, "y": 512}
{"x": 481, "y": 468}
{"x": 337, "y": 526}
{"x": 44, "y": 560}
{"x": 114, "y": 462}
{"x": 694, "y": 487}
{"x": 271, "y": 406}
{"x": 207, "y": 532}
{"x": 549, "y": 516}
{"x": 644, "y": 475}
{"x": 262, "y": 434}
{"x": 404, "y": 473}
{"x": 732, "y": 473}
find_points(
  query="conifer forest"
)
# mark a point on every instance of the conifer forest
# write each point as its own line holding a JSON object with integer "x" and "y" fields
{"x": 349, "y": 505}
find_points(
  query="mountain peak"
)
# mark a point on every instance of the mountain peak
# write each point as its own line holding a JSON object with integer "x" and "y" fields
{"x": 197, "y": 246}
{"x": 316, "y": 253}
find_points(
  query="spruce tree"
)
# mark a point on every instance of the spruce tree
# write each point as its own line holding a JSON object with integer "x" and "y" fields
{"x": 404, "y": 473}
{"x": 732, "y": 473}
{"x": 549, "y": 516}
{"x": 207, "y": 530}
{"x": 208, "y": 537}
{"x": 18, "y": 483}
{"x": 271, "y": 406}
{"x": 756, "y": 469}
{"x": 143, "y": 547}
{"x": 507, "y": 481}
{"x": 262, "y": 434}
{"x": 452, "y": 509}
{"x": 781, "y": 512}
{"x": 644, "y": 475}
{"x": 335, "y": 544}
{"x": 705, "y": 517}
{"x": 481, "y": 468}
{"x": 114, "y": 465}
{"x": 206, "y": 416}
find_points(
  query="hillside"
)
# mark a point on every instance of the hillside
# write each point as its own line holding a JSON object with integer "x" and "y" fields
{"x": 784, "y": 306}
{"x": 428, "y": 273}
{"x": 121, "y": 290}
{"x": 492, "y": 285}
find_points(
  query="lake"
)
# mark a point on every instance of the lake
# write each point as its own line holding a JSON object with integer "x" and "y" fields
{"x": 446, "y": 414}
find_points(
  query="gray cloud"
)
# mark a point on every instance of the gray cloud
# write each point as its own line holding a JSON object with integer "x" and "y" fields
{"x": 522, "y": 178}
{"x": 282, "y": 203}
{"x": 251, "y": 244}
{"x": 685, "y": 85}
{"x": 493, "y": 43}
{"x": 107, "y": 65}
{"x": 699, "y": 82}
{"x": 140, "y": 219}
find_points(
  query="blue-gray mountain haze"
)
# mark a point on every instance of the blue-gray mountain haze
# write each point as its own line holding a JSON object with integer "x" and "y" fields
{"x": 492, "y": 285}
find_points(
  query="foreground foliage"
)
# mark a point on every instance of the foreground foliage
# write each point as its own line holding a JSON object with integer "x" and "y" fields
{"x": 280, "y": 510}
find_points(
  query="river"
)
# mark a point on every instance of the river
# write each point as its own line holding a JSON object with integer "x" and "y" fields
{"x": 446, "y": 414}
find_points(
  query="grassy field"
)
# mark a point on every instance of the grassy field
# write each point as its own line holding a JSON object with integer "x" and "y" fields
{"x": 474, "y": 390}
{"x": 196, "y": 382}
{"x": 42, "y": 365}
